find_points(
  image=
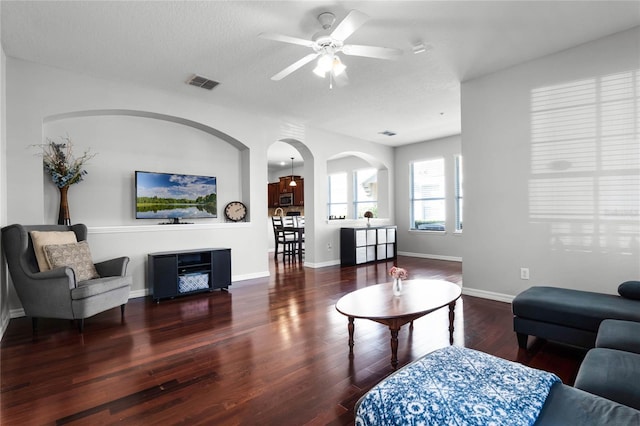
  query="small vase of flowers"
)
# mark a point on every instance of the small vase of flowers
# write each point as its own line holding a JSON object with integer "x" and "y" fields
{"x": 65, "y": 170}
{"x": 398, "y": 274}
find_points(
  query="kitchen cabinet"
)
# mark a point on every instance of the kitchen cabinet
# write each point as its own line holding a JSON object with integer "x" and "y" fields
{"x": 282, "y": 187}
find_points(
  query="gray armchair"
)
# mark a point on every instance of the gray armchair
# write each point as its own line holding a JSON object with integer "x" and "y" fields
{"x": 56, "y": 293}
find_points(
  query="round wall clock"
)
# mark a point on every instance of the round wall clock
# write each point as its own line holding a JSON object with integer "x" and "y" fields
{"x": 235, "y": 211}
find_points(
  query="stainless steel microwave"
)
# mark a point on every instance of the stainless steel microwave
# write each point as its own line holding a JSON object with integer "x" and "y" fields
{"x": 286, "y": 199}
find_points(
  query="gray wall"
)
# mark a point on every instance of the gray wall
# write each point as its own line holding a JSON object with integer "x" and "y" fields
{"x": 561, "y": 205}
{"x": 436, "y": 245}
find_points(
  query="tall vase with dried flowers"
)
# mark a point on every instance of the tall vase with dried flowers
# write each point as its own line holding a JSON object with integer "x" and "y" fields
{"x": 65, "y": 170}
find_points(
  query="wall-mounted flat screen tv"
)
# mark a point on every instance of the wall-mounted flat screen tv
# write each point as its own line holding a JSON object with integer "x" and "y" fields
{"x": 175, "y": 196}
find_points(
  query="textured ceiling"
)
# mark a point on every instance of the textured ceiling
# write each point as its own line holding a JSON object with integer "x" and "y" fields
{"x": 161, "y": 44}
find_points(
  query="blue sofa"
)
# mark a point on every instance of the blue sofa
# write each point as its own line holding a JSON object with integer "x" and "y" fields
{"x": 612, "y": 369}
{"x": 571, "y": 316}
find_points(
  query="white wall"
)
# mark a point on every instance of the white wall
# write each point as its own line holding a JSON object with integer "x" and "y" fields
{"x": 436, "y": 245}
{"x": 4, "y": 284}
{"x": 122, "y": 123}
{"x": 564, "y": 205}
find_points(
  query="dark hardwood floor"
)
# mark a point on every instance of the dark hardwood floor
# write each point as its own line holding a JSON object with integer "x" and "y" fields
{"x": 270, "y": 351}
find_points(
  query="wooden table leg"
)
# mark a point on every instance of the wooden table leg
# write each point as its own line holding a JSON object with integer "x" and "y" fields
{"x": 452, "y": 316}
{"x": 394, "y": 347}
{"x": 351, "y": 328}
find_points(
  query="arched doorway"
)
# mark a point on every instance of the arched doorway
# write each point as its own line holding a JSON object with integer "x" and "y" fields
{"x": 287, "y": 160}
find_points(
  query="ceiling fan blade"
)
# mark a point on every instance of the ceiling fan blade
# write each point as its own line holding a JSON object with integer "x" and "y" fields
{"x": 291, "y": 68}
{"x": 371, "y": 51}
{"x": 349, "y": 24}
{"x": 286, "y": 39}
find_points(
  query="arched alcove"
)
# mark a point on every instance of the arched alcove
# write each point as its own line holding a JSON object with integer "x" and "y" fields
{"x": 130, "y": 140}
{"x": 349, "y": 162}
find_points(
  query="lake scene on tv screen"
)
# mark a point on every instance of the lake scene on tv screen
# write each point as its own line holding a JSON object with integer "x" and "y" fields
{"x": 168, "y": 196}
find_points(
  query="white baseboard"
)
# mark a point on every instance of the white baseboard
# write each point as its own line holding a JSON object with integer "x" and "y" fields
{"x": 4, "y": 323}
{"x": 314, "y": 265}
{"x": 134, "y": 294}
{"x": 500, "y": 297}
{"x": 16, "y": 313}
{"x": 430, "y": 256}
{"x": 323, "y": 264}
{"x": 249, "y": 276}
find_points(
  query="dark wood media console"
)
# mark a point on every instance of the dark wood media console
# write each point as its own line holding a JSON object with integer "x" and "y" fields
{"x": 178, "y": 273}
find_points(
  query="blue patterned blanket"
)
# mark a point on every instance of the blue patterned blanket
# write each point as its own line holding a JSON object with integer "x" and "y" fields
{"x": 457, "y": 386}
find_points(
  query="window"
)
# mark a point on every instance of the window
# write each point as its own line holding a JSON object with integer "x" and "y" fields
{"x": 428, "y": 195}
{"x": 458, "y": 193}
{"x": 337, "y": 205}
{"x": 365, "y": 195}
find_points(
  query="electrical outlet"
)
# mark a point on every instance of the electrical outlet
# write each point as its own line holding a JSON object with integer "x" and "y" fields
{"x": 524, "y": 273}
{"x": 328, "y": 246}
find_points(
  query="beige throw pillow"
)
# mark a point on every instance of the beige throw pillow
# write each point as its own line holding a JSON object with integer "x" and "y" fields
{"x": 76, "y": 256}
{"x": 46, "y": 238}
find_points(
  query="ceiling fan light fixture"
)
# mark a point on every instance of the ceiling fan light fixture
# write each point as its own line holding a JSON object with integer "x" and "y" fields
{"x": 325, "y": 63}
{"x": 319, "y": 72}
{"x": 329, "y": 63}
{"x": 338, "y": 67}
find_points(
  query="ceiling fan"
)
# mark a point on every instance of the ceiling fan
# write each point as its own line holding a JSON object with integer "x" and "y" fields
{"x": 326, "y": 45}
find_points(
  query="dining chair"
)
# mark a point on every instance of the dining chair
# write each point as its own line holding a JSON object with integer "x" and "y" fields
{"x": 300, "y": 224}
{"x": 286, "y": 239}
{"x": 295, "y": 221}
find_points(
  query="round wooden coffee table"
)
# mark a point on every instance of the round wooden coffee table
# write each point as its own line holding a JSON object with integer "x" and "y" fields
{"x": 377, "y": 303}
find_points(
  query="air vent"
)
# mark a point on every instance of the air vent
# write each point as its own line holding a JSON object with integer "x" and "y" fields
{"x": 204, "y": 82}
{"x": 387, "y": 133}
